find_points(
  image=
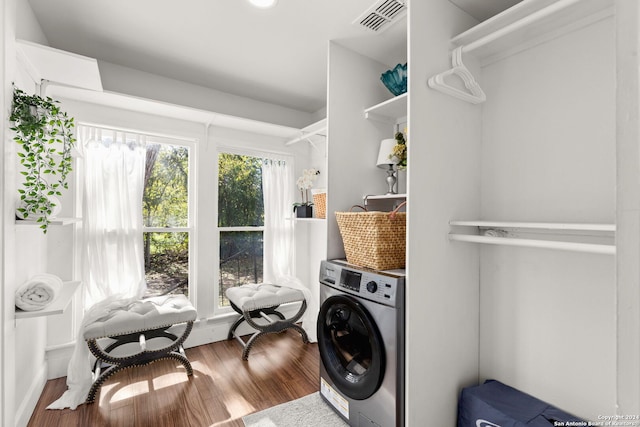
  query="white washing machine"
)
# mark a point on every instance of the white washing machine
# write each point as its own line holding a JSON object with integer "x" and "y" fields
{"x": 361, "y": 342}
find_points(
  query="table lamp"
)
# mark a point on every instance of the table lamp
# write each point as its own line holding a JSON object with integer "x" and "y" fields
{"x": 386, "y": 160}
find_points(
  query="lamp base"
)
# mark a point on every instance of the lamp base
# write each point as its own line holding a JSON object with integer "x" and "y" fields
{"x": 391, "y": 180}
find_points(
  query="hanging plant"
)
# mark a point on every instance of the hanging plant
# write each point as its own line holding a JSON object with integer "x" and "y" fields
{"x": 45, "y": 136}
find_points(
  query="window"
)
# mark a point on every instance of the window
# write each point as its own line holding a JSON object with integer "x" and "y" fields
{"x": 166, "y": 218}
{"x": 240, "y": 221}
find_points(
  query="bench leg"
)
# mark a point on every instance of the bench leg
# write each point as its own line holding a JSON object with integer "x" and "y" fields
{"x": 274, "y": 327}
{"x": 117, "y": 363}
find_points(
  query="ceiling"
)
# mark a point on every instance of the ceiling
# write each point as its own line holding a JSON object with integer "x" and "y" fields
{"x": 276, "y": 55}
{"x": 484, "y": 9}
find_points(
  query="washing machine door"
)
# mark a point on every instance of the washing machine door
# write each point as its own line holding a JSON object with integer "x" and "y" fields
{"x": 351, "y": 347}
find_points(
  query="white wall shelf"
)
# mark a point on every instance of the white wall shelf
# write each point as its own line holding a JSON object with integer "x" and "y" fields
{"x": 391, "y": 111}
{"x": 46, "y": 64}
{"x": 55, "y": 221}
{"x": 498, "y": 235}
{"x": 547, "y": 244}
{"x": 536, "y": 225}
{"x": 527, "y": 24}
{"x": 58, "y": 306}
{"x": 402, "y": 196}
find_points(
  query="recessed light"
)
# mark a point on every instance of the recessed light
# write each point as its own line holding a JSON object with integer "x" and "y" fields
{"x": 263, "y": 4}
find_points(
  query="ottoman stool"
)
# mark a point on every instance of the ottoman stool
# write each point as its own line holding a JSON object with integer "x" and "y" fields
{"x": 141, "y": 321}
{"x": 259, "y": 301}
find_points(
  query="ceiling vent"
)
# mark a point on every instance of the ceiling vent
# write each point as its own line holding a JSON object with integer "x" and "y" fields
{"x": 382, "y": 14}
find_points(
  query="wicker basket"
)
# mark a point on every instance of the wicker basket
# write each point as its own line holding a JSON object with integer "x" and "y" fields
{"x": 374, "y": 240}
{"x": 320, "y": 204}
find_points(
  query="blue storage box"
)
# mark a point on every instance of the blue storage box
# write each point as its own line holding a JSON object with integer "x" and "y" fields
{"x": 494, "y": 404}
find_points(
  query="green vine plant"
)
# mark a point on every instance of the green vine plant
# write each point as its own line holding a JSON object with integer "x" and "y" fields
{"x": 45, "y": 136}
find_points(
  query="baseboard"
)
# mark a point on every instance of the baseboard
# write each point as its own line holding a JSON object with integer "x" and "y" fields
{"x": 28, "y": 405}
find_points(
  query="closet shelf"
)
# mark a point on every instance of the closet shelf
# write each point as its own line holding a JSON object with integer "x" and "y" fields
{"x": 391, "y": 111}
{"x": 318, "y": 128}
{"x": 529, "y": 23}
{"x": 502, "y": 233}
{"x": 58, "y": 306}
{"x": 369, "y": 198}
{"x": 536, "y": 225}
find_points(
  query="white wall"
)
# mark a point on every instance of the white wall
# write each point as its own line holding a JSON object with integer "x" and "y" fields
{"x": 628, "y": 206}
{"x": 125, "y": 80}
{"x": 549, "y": 154}
{"x": 354, "y": 84}
{"x": 443, "y": 181}
{"x": 7, "y": 187}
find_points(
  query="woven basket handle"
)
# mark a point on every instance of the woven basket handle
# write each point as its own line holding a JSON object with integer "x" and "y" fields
{"x": 358, "y": 206}
{"x": 393, "y": 213}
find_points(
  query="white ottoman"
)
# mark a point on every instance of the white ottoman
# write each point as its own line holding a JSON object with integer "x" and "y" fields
{"x": 142, "y": 321}
{"x": 261, "y": 300}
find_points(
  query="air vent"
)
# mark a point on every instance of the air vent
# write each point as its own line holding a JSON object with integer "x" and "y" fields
{"x": 382, "y": 14}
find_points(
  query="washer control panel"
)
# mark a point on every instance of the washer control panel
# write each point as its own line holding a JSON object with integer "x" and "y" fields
{"x": 370, "y": 284}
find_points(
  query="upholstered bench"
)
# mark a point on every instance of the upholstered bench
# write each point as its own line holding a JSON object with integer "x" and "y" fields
{"x": 261, "y": 301}
{"x": 144, "y": 320}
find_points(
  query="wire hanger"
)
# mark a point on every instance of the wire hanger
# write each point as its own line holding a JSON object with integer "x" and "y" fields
{"x": 475, "y": 95}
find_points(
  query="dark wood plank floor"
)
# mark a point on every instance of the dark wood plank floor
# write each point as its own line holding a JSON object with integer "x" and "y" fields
{"x": 222, "y": 390}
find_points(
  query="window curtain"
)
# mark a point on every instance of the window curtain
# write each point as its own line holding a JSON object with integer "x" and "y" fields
{"x": 279, "y": 238}
{"x": 113, "y": 253}
{"x": 277, "y": 188}
{"x": 112, "y": 258}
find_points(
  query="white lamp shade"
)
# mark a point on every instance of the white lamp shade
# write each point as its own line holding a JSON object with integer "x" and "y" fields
{"x": 385, "y": 157}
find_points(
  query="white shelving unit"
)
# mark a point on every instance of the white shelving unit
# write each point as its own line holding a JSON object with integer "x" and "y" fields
{"x": 46, "y": 64}
{"x": 309, "y": 219}
{"x": 55, "y": 221}
{"x": 58, "y": 306}
{"x": 391, "y": 111}
{"x": 527, "y": 24}
{"x": 506, "y": 233}
{"x": 610, "y": 228}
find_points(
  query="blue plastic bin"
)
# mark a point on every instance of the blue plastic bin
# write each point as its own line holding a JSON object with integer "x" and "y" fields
{"x": 494, "y": 404}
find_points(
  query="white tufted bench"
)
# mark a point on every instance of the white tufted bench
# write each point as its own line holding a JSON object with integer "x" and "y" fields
{"x": 139, "y": 322}
{"x": 261, "y": 300}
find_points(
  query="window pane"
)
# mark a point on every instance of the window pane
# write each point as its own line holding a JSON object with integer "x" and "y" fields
{"x": 166, "y": 183}
{"x": 240, "y": 260}
{"x": 239, "y": 191}
{"x": 166, "y": 263}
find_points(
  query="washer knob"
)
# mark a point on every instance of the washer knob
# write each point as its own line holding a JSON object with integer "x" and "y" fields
{"x": 372, "y": 287}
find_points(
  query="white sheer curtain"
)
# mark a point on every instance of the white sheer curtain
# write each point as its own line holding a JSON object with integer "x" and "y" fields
{"x": 112, "y": 257}
{"x": 279, "y": 243}
{"x": 279, "y": 238}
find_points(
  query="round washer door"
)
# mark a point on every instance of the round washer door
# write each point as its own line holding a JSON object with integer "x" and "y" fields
{"x": 351, "y": 347}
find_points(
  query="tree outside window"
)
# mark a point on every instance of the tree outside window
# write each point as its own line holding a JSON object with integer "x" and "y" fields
{"x": 240, "y": 221}
{"x": 166, "y": 219}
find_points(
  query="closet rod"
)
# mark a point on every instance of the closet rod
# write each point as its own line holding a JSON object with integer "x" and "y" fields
{"x": 548, "y": 244}
{"x": 521, "y": 23}
{"x": 306, "y": 135}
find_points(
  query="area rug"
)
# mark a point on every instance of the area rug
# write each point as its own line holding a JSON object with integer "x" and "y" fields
{"x": 308, "y": 411}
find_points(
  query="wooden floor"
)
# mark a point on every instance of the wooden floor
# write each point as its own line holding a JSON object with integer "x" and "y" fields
{"x": 222, "y": 390}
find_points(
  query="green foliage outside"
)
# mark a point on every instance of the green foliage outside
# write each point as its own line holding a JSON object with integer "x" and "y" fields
{"x": 239, "y": 191}
{"x": 240, "y": 203}
{"x": 165, "y": 204}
